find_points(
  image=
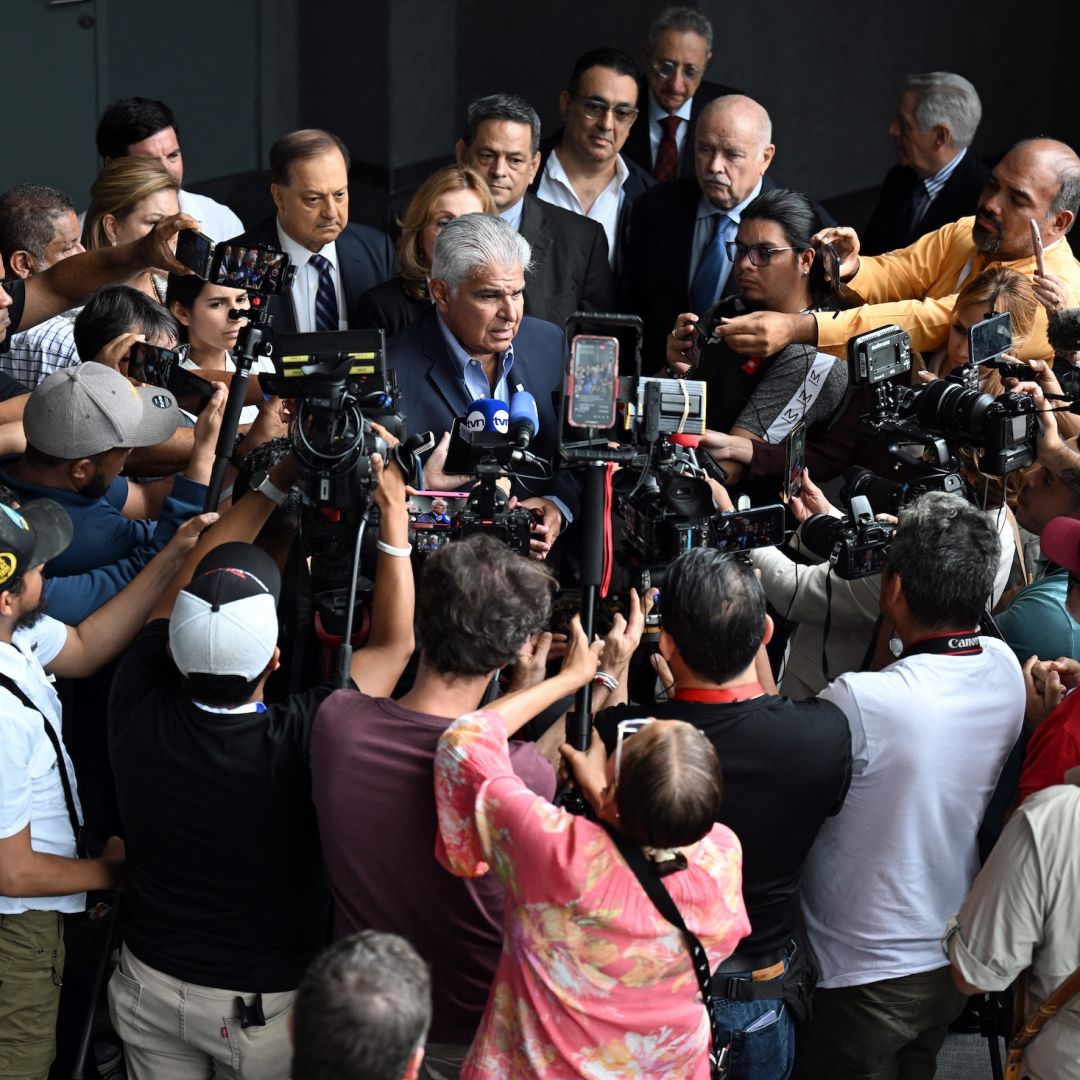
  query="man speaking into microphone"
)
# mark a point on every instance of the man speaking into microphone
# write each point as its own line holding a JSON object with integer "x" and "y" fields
{"x": 475, "y": 355}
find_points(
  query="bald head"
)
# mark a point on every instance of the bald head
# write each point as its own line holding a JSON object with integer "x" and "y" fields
{"x": 733, "y": 148}
{"x": 1037, "y": 180}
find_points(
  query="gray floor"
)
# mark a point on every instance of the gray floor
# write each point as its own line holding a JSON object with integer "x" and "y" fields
{"x": 965, "y": 1057}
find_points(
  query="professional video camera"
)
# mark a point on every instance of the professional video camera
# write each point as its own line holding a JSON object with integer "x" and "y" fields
{"x": 856, "y": 546}
{"x": 947, "y": 413}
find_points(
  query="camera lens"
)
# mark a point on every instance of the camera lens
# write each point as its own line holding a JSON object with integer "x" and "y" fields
{"x": 949, "y": 409}
{"x": 885, "y": 496}
{"x": 820, "y": 532}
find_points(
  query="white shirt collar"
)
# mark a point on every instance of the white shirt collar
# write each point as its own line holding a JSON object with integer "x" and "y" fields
{"x": 555, "y": 171}
{"x": 300, "y": 255}
{"x": 657, "y": 112}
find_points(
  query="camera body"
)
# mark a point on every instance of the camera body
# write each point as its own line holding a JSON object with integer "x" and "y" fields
{"x": 857, "y": 546}
{"x": 889, "y": 496}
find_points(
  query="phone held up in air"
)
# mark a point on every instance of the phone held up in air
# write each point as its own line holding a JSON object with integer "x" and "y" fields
{"x": 795, "y": 462}
{"x": 593, "y": 382}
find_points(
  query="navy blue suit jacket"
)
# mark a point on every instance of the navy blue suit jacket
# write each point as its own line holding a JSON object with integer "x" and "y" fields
{"x": 433, "y": 391}
{"x": 365, "y": 257}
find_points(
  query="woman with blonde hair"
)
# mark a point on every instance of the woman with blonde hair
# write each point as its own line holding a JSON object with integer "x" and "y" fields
{"x": 443, "y": 196}
{"x": 128, "y": 198}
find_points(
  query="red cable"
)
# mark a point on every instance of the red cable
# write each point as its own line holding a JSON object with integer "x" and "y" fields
{"x": 605, "y": 583}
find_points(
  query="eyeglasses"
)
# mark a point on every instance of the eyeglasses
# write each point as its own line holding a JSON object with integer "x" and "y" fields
{"x": 760, "y": 254}
{"x": 668, "y": 69}
{"x": 625, "y": 729}
{"x": 597, "y": 108}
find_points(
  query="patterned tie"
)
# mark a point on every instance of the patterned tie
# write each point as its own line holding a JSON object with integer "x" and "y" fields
{"x": 712, "y": 272}
{"x": 326, "y": 309}
{"x": 920, "y": 201}
{"x": 667, "y": 153}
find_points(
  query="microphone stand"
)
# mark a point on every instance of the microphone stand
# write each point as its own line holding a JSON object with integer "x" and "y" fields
{"x": 249, "y": 346}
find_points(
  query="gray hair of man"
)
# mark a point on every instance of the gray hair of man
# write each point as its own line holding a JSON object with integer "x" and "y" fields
{"x": 474, "y": 240}
{"x": 683, "y": 20}
{"x": 946, "y": 99}
{"x": 945, "y": 553}
{"x": 501, "y": 107}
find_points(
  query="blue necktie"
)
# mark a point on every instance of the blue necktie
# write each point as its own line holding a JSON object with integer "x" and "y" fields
{"x": 920, "y": 202}
{"x": 712, "y": 272}
{"x": 326, "y": 309}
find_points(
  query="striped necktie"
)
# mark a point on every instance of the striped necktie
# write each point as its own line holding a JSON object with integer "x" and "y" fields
{"x": 326, "y": 307}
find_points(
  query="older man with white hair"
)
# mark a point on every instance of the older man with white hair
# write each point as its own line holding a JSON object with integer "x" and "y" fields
{"x": 475, "y": 343}
{"x": 937, "y": 178}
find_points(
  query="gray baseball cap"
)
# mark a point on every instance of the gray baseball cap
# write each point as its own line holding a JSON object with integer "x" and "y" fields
{"x": 84, "y": 410}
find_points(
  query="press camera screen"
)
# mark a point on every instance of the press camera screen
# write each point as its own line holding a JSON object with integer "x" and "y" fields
{"x": 763, "y": 526}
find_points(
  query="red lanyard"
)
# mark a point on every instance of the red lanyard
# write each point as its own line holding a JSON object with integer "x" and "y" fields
{"x": 720, "y": 694}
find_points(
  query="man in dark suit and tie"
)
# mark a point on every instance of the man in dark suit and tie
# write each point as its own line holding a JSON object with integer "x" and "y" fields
{"x": 336, "y": 261}
{"x": 677, "y": 52}
{"x": 937, "y": 179}
{"x": 675, "y": 259}
{"x": 570, "y": 269}
{"x": 476, "y": 342}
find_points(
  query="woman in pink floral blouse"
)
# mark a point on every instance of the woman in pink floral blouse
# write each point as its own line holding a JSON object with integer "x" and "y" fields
{"x": 593, "y": 981}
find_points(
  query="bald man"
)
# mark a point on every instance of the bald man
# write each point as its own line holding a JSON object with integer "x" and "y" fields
{"x": 915, "y": 287}
{"x": 675, "y": 255}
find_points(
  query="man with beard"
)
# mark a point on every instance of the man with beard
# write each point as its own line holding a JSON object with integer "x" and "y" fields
{"x": 43, "y": 871}
{"x": 915, "y": 287}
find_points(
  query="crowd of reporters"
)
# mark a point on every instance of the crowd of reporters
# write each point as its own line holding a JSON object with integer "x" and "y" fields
{"x": 760, "y": 855}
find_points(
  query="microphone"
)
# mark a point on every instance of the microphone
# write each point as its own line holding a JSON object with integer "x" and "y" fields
{"x": 524, "y": 419}
{"x": 487, "y": 415}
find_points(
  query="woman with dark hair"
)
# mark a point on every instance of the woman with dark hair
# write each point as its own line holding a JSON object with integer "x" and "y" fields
{"x": 443, "y": 196}
{"x": 593, "y": 980}
{"x": 777, "y": 266}
{"x": 207, "y": 331}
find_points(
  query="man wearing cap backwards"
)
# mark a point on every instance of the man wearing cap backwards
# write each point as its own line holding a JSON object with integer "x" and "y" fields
{"x": 81, "y": 423}
{"x": 41, "y": 875}
{"x": 225, "y": 902}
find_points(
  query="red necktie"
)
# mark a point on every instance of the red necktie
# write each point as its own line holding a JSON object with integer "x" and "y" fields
{"x": 667, "y": 153}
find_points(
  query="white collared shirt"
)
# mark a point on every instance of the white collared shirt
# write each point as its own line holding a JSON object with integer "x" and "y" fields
{"x": 555, "y": 188}
{"x": 657, "y": 112}
{"x": 306, "y": 284}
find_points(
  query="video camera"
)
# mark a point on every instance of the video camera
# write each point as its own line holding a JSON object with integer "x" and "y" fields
{"x": 947, "y": 413}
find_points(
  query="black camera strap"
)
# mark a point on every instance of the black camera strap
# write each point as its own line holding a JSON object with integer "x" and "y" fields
{"x": 952, "y": 643}
{"x": 9, "y": 684}
{"x": 656, "y": 891}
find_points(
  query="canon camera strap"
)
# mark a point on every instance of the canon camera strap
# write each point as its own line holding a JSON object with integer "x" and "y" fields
{"x": 9, "y": 684}
{"x": 954, "y": 643}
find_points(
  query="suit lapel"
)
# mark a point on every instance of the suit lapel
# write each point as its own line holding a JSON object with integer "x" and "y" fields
{"x": 442, "y": 371}
{"x": 534, "y": 229}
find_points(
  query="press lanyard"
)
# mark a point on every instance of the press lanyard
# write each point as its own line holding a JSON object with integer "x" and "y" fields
{"x": 954, "y": 643}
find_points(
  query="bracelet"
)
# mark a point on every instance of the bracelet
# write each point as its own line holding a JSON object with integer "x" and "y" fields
{"x": 607, "y": 680}
{"x": 397, "y": 552}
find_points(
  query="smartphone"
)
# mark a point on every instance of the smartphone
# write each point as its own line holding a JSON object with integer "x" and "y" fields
{"x": 746, "y": 529}
{"x": 255, "y": 267}
{"x": 795, "y": 462}
{"x": 989, "y": 338}
{"x": 157, "y": 366}
{"x": 594, "y": 379}
{"x": 195, "y": 250}
{"x": 1037, "y": 244}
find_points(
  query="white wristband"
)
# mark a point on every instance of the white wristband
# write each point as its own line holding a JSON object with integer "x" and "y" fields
{"x": 606, "y": 680}
{"x": 397, "y": 552}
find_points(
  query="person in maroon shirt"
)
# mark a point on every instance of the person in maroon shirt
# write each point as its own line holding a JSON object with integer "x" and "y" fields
{"x": 372, "y": 779}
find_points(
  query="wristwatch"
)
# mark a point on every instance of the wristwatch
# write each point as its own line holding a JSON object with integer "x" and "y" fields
{"x": 261, "y": 482}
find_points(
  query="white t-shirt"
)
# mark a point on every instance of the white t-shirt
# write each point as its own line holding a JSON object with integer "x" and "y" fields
{"x": 30, "y": 788}
{"x": 218, "y": 221}
{"x": 249, "y": 413}
{"x": 929, "y": 735}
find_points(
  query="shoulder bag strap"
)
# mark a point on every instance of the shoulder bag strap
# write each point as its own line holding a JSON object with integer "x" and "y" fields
{"x": 9, "y": 684}
{"x": 654, "y": 888}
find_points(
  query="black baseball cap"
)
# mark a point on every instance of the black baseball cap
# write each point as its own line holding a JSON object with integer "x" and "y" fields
{"x": 35, "y": 533}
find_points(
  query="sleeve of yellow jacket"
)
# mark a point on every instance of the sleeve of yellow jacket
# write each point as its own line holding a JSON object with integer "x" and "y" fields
{"x": 883, "y": 280}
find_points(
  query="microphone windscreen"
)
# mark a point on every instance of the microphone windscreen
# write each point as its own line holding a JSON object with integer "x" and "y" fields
{"x": 487, "y": 414}
{"x": 523, "y": 408}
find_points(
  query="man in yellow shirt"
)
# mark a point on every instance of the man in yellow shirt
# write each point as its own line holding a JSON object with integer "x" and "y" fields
{"x": 915, "y": 287}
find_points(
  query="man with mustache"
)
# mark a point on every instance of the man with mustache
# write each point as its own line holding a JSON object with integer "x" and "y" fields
{"x": 915, "y": 287}
{"x": 675, "y": 258}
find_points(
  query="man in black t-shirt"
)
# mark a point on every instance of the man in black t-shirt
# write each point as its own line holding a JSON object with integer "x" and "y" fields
{"x": 225, "y": 903}
{"x": 786, "y": 767}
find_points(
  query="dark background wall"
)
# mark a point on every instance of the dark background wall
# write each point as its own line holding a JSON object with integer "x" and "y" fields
{"x": 393, "y": 77}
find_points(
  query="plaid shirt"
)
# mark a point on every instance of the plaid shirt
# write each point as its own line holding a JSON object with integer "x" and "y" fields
{"x": 42, "y": 349}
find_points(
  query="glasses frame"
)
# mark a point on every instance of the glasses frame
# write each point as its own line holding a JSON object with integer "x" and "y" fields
{"x": 625, "y": 729}
{"x": 598, "y": 108}
{"x": 689, "y": 71}
{"x": 753, "y": 252}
